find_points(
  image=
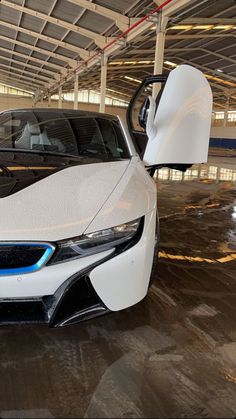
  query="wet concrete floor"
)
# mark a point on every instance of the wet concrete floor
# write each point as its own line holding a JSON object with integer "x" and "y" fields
{"x": 172, "y": 355}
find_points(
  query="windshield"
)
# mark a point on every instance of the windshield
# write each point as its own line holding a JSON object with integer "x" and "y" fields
{"x": 61, "y": 133}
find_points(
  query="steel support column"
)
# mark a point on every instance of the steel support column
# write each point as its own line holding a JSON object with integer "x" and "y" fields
{"x": 103, "y": 83}
{"x": 49, "y": 101}
{"x": 76, "y": 91}
{"x": 159, "y": 50}
{"x": 226, "y": 112}
{"x": 60, "y": 98}
{"x": 225, "y": 118}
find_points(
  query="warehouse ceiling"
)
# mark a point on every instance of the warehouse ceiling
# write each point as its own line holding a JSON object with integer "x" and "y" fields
{"x": 42, "y": 42}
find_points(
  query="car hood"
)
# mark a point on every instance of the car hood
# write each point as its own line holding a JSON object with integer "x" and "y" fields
{"x": 52, "y": 198}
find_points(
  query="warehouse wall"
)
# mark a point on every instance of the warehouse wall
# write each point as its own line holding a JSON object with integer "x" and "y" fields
{"x": 223, "y": 132}
{"x": 19, "y": 102}
{"x": 223, "y": 137}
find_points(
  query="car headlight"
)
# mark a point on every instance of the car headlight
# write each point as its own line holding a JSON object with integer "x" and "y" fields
{"x": 99, "y": 241}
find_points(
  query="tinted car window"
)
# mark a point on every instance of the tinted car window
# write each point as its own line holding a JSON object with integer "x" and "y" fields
{"x": 63, "y": 134}
{"x": 112, "y": 137}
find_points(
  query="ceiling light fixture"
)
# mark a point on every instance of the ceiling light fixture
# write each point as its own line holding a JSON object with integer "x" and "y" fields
{"x": 132, "y": 79}
{"x": 170, "y": 63}
{"x": 116, "y": 62}
{"x": 131, "y": 62}
{"x": 146, "y": 62}
{"x": 117, "y": 93}
{"x": 204, "y": 27}
{"x": 200, "y": 27}
{"x": 223, "y": 27}
{"x": 181, "y": 27}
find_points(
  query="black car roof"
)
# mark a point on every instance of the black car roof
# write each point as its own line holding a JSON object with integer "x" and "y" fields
{"x": 66, "y": 112}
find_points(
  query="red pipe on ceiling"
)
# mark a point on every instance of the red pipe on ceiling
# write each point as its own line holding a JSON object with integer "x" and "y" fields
{"x": 121, "y": 36}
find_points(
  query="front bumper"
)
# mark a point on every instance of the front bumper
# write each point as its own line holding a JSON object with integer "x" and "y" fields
{"x": 73, "y": 291}
{"x": 78, "y": 302}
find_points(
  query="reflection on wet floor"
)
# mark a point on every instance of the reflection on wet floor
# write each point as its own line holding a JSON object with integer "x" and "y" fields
{"x": 198, "y": 172}
{"x": 172, "y": 355}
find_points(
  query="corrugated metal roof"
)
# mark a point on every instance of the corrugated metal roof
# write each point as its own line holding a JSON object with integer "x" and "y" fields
{"x": 54, "y": 31}
{"x": 7, "y": 15}
{"x": 31, "y": 22}
{"x": 77, "y": 40}
{"x": 41, "y": 57}
{"x": 94, "y": 22}
{"x": 22, "y": 50}
{"x": 5, "y": 44}
{"x": 8, "y": 32}
{"x": 55, "y": 61}
{"x": 23, "y": 37}
{"x": 66, "y": 52}
{"x": 118, "y": 6}
{"x": 209, "y": 50}
{"x": 43, "y": 6}
{"x": 66, "y": 11}
{"x": 45, "y": 45}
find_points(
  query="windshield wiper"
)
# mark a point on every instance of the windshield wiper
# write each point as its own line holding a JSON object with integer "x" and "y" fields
{"x": 51, "y": 153}
{"x": 83, "y": 158}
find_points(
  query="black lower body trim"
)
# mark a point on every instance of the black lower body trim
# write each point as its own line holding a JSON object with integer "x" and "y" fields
{"x": 21, "y": 311}
{"x": 78, "y": 302}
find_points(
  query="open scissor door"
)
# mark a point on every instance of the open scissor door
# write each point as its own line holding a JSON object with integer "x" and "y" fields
{"x": 174, "y": 129}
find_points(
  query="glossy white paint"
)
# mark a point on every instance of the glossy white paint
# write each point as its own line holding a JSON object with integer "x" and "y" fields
{"x": 130, "y": 193}
{"x": 123, "y": 281}
{"x": 61, "y": 205}
{"x": 133, "y": 197}
{"x": 93, "y": 197}
{"x": 179, "y": 131}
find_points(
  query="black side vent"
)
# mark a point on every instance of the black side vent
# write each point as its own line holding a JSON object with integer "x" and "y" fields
{"x": 80, "y": 302}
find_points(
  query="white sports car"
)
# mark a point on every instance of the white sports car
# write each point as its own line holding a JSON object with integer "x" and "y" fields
{"x": 78, "y": 221}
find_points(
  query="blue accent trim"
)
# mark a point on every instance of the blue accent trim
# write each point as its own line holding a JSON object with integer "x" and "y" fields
{"x": 228, "y": 143}
{"x": 49, "y": 249}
